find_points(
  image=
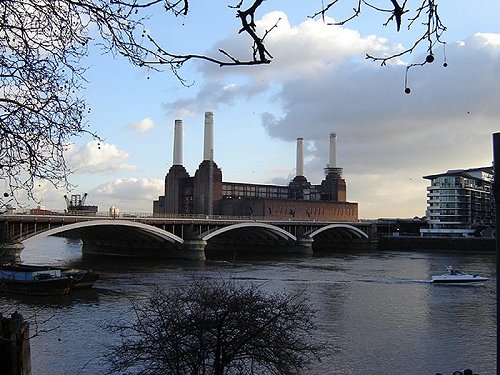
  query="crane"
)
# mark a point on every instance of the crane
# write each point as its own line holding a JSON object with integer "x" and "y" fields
{"x": 77, "y": 203}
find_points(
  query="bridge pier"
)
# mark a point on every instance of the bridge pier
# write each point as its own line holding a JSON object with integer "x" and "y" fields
{"x": 194, "y": 249}
{"x": 302, "y": 246}
{"x": 11, "y": 251}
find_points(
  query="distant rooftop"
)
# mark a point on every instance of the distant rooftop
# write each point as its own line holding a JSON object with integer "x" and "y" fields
{"x": 471, "y": 173}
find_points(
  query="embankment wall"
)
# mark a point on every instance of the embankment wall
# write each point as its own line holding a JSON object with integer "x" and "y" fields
{"x": 436, "y": 243}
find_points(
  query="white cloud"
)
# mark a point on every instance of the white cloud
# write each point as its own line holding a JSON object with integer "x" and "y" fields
{"x": 142, "y": 126}
{"x": 314, "y": 46}
{"x": 97, "y": 157}
{"x": 211, "y": 96}
{"x": 489, "y": 39}
{"x": 308, "y": 48}
{"x": 386, "y": 138}
{"x": 128, "y": 194}
{"x": 445, "y": 123}
{"x": 450, "y": 111}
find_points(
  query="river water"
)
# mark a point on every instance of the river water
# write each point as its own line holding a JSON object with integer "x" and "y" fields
{"x": 377, "y": 311}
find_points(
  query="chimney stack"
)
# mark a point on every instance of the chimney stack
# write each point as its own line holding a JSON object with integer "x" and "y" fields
{"x": 333, "y": 151}
{"x": 178, "y": 140}
{"x": 300, "y": 157}
{"x": 208, "y": 150}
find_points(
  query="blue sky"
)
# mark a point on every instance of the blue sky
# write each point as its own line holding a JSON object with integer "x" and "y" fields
{"x": 318, "y": 82}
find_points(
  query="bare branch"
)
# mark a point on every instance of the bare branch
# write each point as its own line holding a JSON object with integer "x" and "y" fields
{"x": 216, "y": 327}
{"x": 426, "y": 12}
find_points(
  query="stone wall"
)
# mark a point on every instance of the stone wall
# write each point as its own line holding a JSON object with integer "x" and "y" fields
{"x": 437, "y": 243}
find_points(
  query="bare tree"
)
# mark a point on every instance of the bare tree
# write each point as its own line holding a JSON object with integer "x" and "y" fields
{"x": 216, "y": 327}
{"x": 42, "y": 43}
{"x": 420, "y": 14}
{"x": 423, "y": 14}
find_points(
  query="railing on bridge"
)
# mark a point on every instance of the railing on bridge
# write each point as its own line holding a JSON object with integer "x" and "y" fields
{"x": 144, "y": 215}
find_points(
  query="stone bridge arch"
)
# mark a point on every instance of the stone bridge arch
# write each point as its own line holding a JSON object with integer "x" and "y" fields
{"x": 79, "y": 227}
{"x": 254, "y": 236}
{"x": 249, "y": 228}
{"x": 338, "y": 236}
{"x": 113, "y": 237}
{"x": 341, "y": 230}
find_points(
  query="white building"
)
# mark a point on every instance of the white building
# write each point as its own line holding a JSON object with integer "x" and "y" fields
{"x": 460, "y": 202}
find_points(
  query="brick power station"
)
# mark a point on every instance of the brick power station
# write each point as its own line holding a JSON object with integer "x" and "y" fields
{"x": 207, "y": 194}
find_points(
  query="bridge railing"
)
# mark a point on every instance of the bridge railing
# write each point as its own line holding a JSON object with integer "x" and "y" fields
{"x": 148, "y": 215}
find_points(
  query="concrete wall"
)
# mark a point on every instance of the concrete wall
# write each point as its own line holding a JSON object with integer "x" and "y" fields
{"x": 437, "y": 244}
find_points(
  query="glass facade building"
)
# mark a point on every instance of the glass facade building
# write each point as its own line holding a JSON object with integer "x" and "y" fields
{"x": 460, "y": 202}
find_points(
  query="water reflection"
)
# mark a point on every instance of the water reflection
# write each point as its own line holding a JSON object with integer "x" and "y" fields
{"x": 378, "y": 312}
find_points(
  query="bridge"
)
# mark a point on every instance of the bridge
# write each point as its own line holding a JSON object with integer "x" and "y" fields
{"x": 183, "y": 237}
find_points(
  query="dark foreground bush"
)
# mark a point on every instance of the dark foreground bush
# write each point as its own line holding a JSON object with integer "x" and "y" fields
{"x": 216, "y": 327}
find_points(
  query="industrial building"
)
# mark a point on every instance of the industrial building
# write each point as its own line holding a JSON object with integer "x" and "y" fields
{"x": 206, "y": 193}
{"x": 460, "y": 202}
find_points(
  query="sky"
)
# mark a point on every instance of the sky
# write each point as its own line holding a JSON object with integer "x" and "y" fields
{"x": 318, "y": 82}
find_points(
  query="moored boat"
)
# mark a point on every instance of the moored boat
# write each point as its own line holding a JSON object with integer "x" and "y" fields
{"x": 457, "y": 277}
{"x": 25, "y": 279}
{"x": 81, "y": 278}
{"x": 47, "y": 282}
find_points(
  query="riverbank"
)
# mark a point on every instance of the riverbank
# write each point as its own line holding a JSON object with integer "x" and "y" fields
{"x": 437, "y": 244}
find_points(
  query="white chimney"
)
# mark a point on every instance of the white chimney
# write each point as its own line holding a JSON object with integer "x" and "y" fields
{"x": 178, "y": 140}
{"x": 333, "y": 151}
{"x": 300, "y": 157}
{"x": 208, "y": 150}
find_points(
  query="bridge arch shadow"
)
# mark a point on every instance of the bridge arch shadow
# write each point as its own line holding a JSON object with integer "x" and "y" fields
{"x": 338, "y": 237}
{"x": 248, "y": 237}
{"x": 111, "y": 237}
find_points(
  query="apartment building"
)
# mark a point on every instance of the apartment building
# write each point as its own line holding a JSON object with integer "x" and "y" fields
{"x": 460, "y": 202}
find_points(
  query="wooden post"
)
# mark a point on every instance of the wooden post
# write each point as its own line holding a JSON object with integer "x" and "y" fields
{"x": 15, "y": 357}
{"x": 496, "y": 197}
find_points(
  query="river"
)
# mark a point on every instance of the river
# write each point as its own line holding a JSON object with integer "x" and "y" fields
{"x": 377, "y": 310}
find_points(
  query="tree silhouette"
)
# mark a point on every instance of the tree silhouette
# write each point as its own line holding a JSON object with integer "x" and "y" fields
{"x": 216, "y": 327}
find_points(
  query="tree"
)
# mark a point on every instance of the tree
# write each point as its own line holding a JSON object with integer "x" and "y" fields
{"x": 425, "y": 12}
{"x": 216, "y": 327}
{"x": 42, "y": 43}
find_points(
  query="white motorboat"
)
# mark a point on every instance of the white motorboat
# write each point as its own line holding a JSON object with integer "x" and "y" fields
{"x": 457, "y": 277}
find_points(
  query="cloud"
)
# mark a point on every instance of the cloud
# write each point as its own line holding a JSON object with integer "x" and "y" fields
{"x": 305, "y": 50}
{"x": 320, "y": 82}
{"x": 314, "y": 46}
{"x": 97, "y": 157}
{"x": 212, "y": 95}
{"x": 488, "y": 39}
{"x": 450, "y": 113}
{"x": 131, "y": 195}
{"x": 142, "y": 126}
{"x": 445, "y": 123}
{"x": 128, "y": 194}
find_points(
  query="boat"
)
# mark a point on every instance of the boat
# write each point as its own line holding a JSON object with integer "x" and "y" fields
{"x": 25, "y": 279}
{"x": 81, "y": 278}
{"x": 457, "y": 277}
{"x": 48, "y": 282}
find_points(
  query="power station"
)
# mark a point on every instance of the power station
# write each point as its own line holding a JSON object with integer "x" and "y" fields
{"x": 207, "y": 194}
